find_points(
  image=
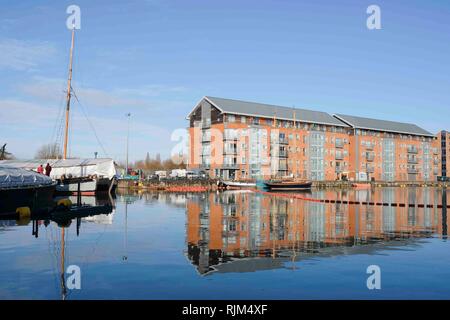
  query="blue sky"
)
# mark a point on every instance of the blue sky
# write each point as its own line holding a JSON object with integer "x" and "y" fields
{"x": 157, "y": 58}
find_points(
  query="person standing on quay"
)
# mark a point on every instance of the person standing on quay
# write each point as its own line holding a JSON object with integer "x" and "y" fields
{"x": 40, "y": 169}
{"x": 48, "y": 169}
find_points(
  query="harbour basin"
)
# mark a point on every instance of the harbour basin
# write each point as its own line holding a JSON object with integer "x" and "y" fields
{"x": 237, "y": 245}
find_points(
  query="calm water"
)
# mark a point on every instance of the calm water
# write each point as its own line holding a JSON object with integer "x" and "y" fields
{"x": 236, "y": 245}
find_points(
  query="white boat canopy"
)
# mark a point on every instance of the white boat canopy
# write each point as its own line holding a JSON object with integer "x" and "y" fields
{"x": 102, "y": 167}
{"x": 11, "y": 177}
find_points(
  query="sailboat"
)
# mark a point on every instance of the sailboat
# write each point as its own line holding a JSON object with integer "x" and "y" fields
{"x": 85, "y": 176}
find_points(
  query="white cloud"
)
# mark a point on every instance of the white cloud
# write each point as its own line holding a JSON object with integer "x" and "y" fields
{"x": 25, "y": 126}
{"x": 24, "y": 55}
{"x": 51, "y": 89}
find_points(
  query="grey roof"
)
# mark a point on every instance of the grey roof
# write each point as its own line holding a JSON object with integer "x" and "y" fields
{"x": 383, "y": 125}
{"x": 270, "y": 111}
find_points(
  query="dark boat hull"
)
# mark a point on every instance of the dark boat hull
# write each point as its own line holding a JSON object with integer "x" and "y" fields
{"x": 288, "y": 186}
{"x": 32, "y": 197}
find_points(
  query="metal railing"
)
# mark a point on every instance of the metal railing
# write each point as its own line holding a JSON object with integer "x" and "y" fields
{"x": 412, "y": 149}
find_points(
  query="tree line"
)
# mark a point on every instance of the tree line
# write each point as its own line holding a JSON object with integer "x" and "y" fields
{"x": 154, "y": 164}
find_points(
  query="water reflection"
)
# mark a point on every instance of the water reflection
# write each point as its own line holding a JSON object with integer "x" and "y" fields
{"x": 227, "y": 232}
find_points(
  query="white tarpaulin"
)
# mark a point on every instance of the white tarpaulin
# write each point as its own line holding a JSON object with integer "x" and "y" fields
{"x": 11, "y": 177}
{"x": 104, "y": 167}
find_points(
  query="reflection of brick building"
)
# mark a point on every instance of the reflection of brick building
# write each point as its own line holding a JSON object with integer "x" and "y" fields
{"x": 235, "y": 139}
{"x": 237, "y": 225}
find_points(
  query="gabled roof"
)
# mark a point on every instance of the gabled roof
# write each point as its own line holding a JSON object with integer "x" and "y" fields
{"x": 246, "y": 108}
{"x": 383, "y": 125}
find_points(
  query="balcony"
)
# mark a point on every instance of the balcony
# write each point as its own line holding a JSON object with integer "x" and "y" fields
{"x": 370, "y": 146}
{"x": 283, "y": 140}
{"x": 370, "y": 156}
{"x": 280, "y": 154}
{"x": 230, "y": 138}
{"x": 339, "y": 156}
{"x": 206, "y": 138}
{"x": 206, "y": 123}
{"x": 370, "y": 169}
{"x": 230, "y": 165}
{"x": 339, "y": 169}
{"x": 413, "y": 160}
{"x": 413, "y": 149}
{"x": 413, "y": 171}
{"x": 230, "y": 151}
{"x": 339, "y": 143}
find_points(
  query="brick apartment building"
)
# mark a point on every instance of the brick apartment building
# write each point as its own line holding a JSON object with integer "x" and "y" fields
{"x": 234, "y": 139}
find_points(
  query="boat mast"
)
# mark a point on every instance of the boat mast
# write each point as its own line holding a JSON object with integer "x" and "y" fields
{"x": 69, "y": 87}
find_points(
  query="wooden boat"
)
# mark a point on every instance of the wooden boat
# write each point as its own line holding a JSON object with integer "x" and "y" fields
{"x": 288, "y": 185}
{"x": 361, "y": 186}
{"x": 236, "y": 185}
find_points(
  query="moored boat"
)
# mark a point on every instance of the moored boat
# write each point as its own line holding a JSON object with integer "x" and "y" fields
{"x": 236, "y": 185}
{"x": 288, "y": 185}
{"x": 361, "y": 186}
{"x": 87, "y": 176}
{"x": 22, "y": 188}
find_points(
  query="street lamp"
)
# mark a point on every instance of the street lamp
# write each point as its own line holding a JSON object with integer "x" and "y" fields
{"x": 128, "y": 138}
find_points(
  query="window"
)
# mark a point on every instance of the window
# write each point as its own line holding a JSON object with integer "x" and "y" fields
{"x": 231, "y": 118}
{"x": 243, "y": 119}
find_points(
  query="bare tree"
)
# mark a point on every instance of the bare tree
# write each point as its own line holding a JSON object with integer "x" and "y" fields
{"x": 48, "y": 151}
{"x": 4, "y": 155}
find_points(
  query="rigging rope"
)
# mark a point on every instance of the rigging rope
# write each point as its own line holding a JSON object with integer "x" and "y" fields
{"x": 90, "y": 124}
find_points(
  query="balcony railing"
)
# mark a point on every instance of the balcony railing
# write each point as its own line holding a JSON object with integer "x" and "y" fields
{"x": 230, "y": 137}
{"x": 413, "y": 171}
{"x": 412, "y": 149}
{"x": 370, "y": 146}
{"x": 230, "y": 151}
{"x": 206, "y": 123}
{"x": 413, "y": 160}
{"x": 230, "y": 165}
{"x": 370, "y": 169}
{"x": 370, "y": 156}
{"x": 206, "y": 138}
{"x": 280, "y": 154}
{"x": 339, "y": 169}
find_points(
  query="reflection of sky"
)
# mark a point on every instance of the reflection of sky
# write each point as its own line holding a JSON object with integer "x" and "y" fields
{"x": 157, "y": 267}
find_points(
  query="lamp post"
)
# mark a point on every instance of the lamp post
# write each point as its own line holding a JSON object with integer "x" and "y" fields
{"x": 128, "y": 138}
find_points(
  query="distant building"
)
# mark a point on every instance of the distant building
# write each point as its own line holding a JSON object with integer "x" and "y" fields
{"x": 234, "y": 139}
{"x": 444, "y": 144}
